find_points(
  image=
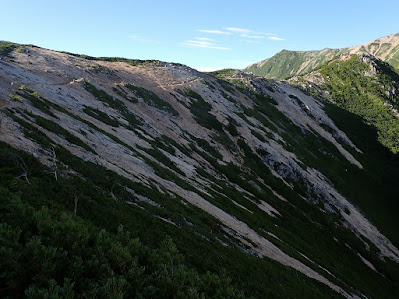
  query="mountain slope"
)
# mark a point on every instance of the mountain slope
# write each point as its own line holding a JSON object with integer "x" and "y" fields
{"x": 244, "y": 174}
{"x": 365, "y": 86}
{"x": 291, "y": 63}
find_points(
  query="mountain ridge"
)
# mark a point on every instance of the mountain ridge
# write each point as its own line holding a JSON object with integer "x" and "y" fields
{"x": 291, "y": 63}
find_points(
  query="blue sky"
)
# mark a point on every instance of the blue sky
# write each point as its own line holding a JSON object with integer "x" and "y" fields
{"x": 202, "y": 34}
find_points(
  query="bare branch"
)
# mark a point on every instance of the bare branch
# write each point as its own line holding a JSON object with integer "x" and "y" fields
{"x": 21, "y": 164}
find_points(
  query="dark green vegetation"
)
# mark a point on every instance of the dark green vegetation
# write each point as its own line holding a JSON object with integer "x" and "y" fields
{"x": 50, "y": 250}
{"x": 224, "y": 73}
{"x": 6, "y": 48}
{"x": 114, "y": 103}
{"x": 368, "y": 96}
{"x": 37, "y": 101}
{"x": 200, "y": 109}
{"x": 372, "y": 189}
{"x": 122, "y": 93}
{"x": 101, "y": 116}
{"x": 152, "y": 99}
{"x": 57, "y": 129}
{"x": 104, "y": 97}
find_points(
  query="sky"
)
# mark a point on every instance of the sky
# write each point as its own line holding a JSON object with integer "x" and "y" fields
{"x": 205, "y": 35}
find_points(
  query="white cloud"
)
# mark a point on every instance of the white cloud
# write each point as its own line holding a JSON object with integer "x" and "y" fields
{"x": 238, "y": 30}
{"x": 254, "y": 36}
{"x": 249, "y": 41}
{"x": 205, "y": 39}
{"x": 138, "y": 38}
{"x": 200, "y": 42}
{"x": 247, "y": 33}
{"x": 250, "y": 34}
{"x": 214, "y": 31}
{"x": 203, "y": 42}
{"x": 275, "y": 38}
{"x": 244, "y": 35}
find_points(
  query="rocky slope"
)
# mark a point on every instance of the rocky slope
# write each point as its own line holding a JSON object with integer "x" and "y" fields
{"x": 291, "y": 63}
{"x": 241, "y": 162}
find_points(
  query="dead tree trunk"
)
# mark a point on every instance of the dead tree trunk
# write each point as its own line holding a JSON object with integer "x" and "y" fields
{"x": 21, "y": 164}
{"x": 76, "y": 204}
{"x": 53, "y": 157}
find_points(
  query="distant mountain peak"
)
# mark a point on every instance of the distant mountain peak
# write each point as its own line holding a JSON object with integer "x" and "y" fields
{"x": 290, "y": 63}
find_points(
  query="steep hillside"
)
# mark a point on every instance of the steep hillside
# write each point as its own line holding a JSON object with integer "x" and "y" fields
{"x": 255, "y": 183}
{"x": 362, "y": 85}
{"x": 291, "y": 63}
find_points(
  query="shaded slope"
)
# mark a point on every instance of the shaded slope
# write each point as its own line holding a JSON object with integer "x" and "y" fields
{"x": 364, "y": 93}
{"x": 365, "y": 86}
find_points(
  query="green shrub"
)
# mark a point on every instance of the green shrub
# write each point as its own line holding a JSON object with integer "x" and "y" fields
{"x": 104, "y": 97}
{"x": 152, "y": 99}
{"x": 57, "y": 129}
{"x": 36, "y": 100}
{"x": 120, "y": 92}
{"x": 15, "y": 98}
{"x": 6, "y": 48}
{"x": 200, "y": 109}
{"x": 101, "y": 116}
